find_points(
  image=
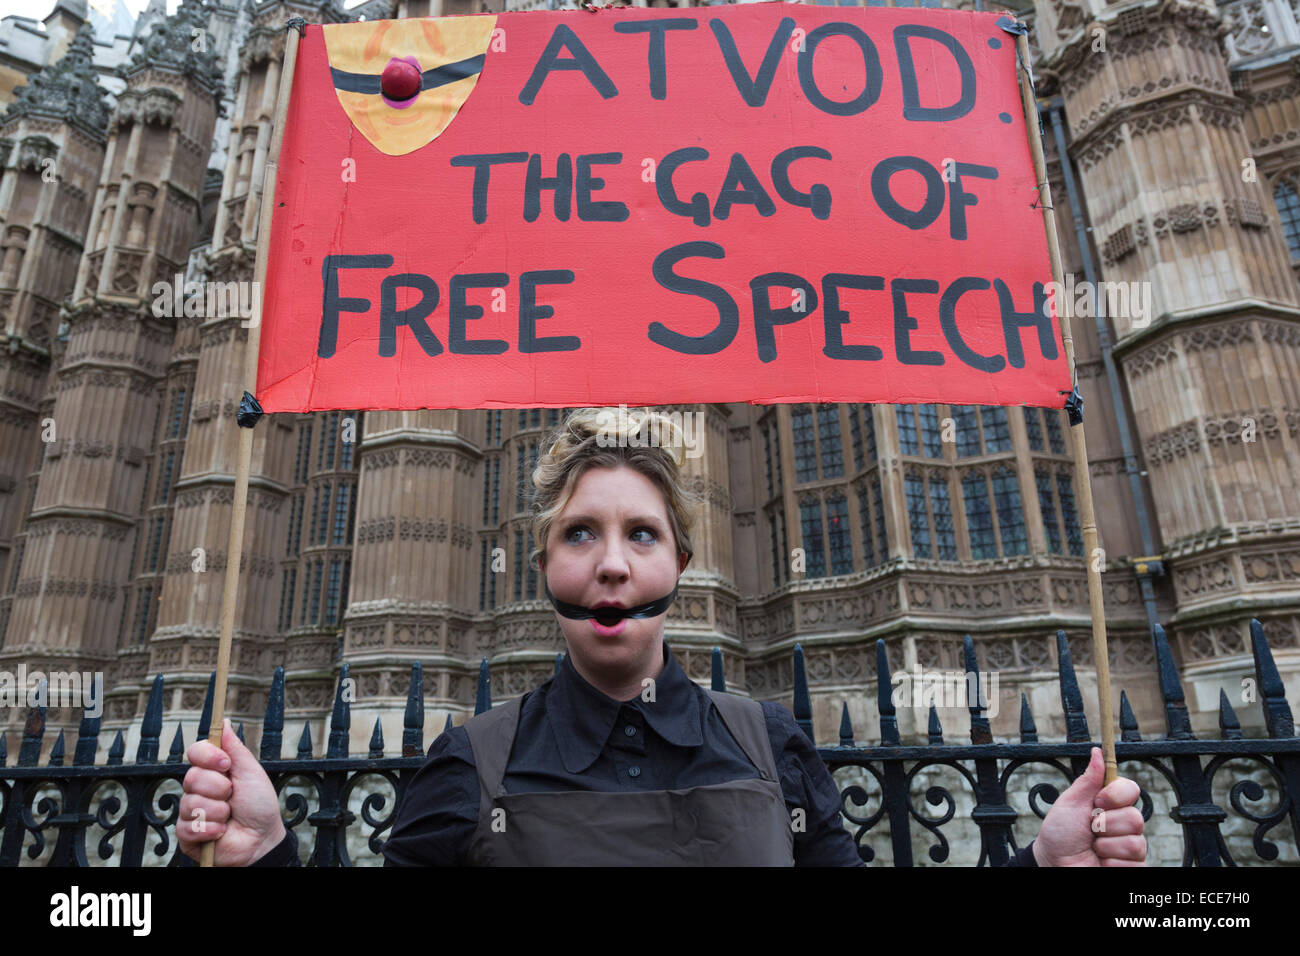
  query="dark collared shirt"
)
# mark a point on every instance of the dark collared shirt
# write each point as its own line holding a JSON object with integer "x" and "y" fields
{"x": 573, "y": 737}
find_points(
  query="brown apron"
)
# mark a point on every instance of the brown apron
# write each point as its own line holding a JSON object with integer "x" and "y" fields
{"x": 737, "y": 823}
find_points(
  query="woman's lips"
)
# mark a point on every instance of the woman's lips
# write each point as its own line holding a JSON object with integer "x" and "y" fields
{"x": 613, "y": 631}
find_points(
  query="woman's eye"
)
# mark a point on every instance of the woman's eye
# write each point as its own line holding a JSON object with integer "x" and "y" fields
{"x": 568, "y": 535}
{"x": 648, "y": 531}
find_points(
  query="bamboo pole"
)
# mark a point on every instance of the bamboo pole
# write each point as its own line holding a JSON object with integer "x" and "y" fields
{"x": 1087, "y": 517}
{"x": 236, "y": 542}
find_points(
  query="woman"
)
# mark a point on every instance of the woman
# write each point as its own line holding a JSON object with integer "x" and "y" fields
{"x": 619, "y": 759}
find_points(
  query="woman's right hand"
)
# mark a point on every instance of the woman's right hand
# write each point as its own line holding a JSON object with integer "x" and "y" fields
{"x": 228, "y": 798}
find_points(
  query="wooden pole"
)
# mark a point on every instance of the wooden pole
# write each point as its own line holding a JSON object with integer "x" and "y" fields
{"x": 207, "y": 854}
{"x": 1091, "y": 554}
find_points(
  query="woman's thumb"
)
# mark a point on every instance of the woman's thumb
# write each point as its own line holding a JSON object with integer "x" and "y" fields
{"x": 240, "y": 756}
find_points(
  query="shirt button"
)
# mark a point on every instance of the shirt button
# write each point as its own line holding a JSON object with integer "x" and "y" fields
{"x": 630, "y": 730}
{"x": 634, "y": 771}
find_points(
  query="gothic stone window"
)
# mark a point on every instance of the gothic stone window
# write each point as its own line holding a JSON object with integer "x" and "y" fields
{"x": 819, "y": 442}
{"x": 1287, "y": 197}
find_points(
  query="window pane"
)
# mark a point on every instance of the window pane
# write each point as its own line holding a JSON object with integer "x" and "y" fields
{"x": 1011, "y": 516}
{"x": 864, "y": 515}
{"x": 917, "y": 517}
{"x": 776, "y": 457}
{"x": 979, "y": 518}
{"x": 810, "y": 520}
{"x": 805, "y": 448}
{"x": 482, "y": 575}
{"x": 968, "y": 431}
{"x": 345, "y": 456}
{"x": 997, "y": 433}
{"x": 519, "y": 564}
{"x": 882, "y": 542}
{"x": 332, "y": 592}
{"x": 855, "y": 434}
{"x": 1288, "y": 207}
{"x": 837, "y": 517}
{"x": 1073, "y": 534}
{"x": 532, "y": 571}
{"x": 1034, "y": 429}
{"x": 907, "y": 440}
{"x": 341, "y": 515}
{"x": 776, "y": 550}
{"x": 930, "y": 435}
{"x": 767, "y": 463}
{"x": 869, "y": 423}
{"x": 941, "y": 508}
{"x": 1055, "y": 439}
{"x": 1047, "y": 505}
{"x": 828, "y": 431}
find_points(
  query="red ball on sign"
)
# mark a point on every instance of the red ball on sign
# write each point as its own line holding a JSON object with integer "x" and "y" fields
{"x": 400, "y": 80}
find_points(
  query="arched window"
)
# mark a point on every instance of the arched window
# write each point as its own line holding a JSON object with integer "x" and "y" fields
{"x": 979, "y": 516}
{"x": 1011, "y": 514}
{"x": 810, "y": 525}
{"x": 837, "y": 525}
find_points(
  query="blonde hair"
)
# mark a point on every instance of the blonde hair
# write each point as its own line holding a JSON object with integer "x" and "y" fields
{"x": 647, "y": 441}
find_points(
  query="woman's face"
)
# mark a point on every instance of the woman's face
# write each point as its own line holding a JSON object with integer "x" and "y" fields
{"x": 612, "y": 543}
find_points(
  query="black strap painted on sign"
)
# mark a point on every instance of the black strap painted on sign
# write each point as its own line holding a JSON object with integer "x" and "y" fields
{"x": 429, "y": 79}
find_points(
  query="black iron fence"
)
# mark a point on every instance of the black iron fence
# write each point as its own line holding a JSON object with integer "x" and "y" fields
{"x": 134, "y": 807}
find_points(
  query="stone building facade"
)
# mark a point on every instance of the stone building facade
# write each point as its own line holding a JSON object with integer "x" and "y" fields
{"x": 370, "y": 537}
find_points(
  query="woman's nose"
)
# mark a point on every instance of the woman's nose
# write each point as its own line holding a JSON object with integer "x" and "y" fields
{"x": 612, "y": 565}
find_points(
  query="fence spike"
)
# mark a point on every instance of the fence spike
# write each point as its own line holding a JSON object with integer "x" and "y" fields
{"x": 56, "y": 752}
{"x": 29, "y": 751}
{"x": 483, "y": 702}
{"x": 4, "y": 748}
{"x": 719, "y": 678}
{"x": 1171, "y": 689}
{"x": 117, "y": 750}
{"x": 936, "y": 729}
{"x": 885, "y": 697}
{"x": 980, "y": 732}
{"x": 1028, "y": 729}
{"x": 205, "y": 717}
{"x": 1128, "y": 725}
{"x": 177, "y": 750}
{"x": 87, "y": 742}
{"x": 1272, "y": 695}
{"x": 846, "y": 726}
{"x": 151, "y": 726}
{"x": 341, "y": 719}
{"x": 1229, "y": 725}
{"x": 304, "y": 742}
{"x": 802, "y": 702}
{"x": 377, "y": 740}
{"x": 1076, "y": 722}
{"x": 273, "y": 722}
{"x": 413, "y": 721}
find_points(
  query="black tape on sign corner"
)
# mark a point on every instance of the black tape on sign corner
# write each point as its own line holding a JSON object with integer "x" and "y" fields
{"x": 1009, "y": 25}
{"x": 1074, "y": 407}
{"x": 249, "y": 411}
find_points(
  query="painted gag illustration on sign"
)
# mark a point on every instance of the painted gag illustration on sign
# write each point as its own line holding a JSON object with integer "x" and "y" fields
{"x": 762, "y": 203}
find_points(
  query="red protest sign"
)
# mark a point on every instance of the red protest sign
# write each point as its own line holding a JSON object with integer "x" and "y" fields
{"x": 762, "y": 203}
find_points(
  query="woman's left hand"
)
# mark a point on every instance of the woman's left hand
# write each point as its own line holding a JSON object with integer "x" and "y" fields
{"x": 1091, "y": 825}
